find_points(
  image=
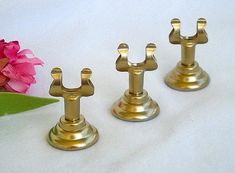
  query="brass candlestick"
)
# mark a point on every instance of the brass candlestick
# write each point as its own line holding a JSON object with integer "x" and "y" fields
{"x": 187, "y": 75}
{"x": 136, "y": 105}
{"x": 72, "y": 132}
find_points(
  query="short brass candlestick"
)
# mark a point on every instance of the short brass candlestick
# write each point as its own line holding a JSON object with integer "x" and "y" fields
{"x": 136, "y": 105}
{"x": 72, "y": 132}
{"x": 187, "y": 75}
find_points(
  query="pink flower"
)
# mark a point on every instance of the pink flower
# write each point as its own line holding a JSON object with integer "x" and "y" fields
{"x": 16, "y": 68}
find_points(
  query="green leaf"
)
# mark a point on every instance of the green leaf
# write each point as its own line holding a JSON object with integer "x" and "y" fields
{"x": 11, "y": 103}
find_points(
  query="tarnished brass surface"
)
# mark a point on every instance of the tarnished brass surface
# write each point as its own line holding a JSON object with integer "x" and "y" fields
{"x": 187, "y": 75}
{"x": 72, "y": 132}
{"x": 136, "y": 105}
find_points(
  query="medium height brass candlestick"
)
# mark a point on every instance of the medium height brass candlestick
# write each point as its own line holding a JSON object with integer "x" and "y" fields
{"x": 187, "y": 75}
{"x": 136, "y": 105}
{"x": 72, "y": 132}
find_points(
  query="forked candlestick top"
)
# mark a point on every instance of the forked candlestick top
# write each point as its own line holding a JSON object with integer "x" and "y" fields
{"x": 57, "y": 88}
{"x": 149, "y": 64}
{"x": 199, "y": 38}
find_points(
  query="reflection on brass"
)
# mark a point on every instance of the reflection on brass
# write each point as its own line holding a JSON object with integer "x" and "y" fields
{"x": 187, "y": 75}
{"x": 136, "y": 105}
{"x": 72, "y": 132}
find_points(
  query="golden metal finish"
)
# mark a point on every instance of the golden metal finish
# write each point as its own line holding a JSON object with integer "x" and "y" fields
{"x": 136, "y": 105}
{"x": 72, "y": 132}
{"x": 187, "y": 75}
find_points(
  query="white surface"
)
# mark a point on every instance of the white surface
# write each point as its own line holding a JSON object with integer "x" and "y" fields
{"x": 194, "y": 132}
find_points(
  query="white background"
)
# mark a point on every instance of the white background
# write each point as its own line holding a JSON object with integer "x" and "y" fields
{"x": 194, "y": 132}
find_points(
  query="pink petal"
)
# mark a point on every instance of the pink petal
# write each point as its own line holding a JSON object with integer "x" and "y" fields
{"x": 25, "y": 51}
{"x": 22, "y": 72}
{"x": 2, "y": 46}
{"x": 34, "y": 61}
{"x": 17, "y": 86}
{"x": 23, "y": 57}
{"x": 9, "y": 71}
{"x": 29, "y": 79}
{"x": 11, "y": 50}
{"x": 8, "y": 88}
{"x": 25, "y": 68}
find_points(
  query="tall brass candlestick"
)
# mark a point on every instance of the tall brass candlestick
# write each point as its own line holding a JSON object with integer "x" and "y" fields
{"x": 72, "y": 132}
{"x": 187, "y": 75}
{"x": 136, "y": 105}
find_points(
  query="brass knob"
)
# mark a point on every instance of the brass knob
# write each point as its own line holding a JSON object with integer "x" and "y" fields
{"x": 187, "y": 75}
{"x": 136, "y": 105}
{"x": 72, "y": 132}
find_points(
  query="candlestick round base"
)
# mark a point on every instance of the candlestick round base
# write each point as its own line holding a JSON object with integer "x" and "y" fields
{"x": 67, "y": 135}
{"x": 187, "y": 78}
{"x": 135, "y": 108}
